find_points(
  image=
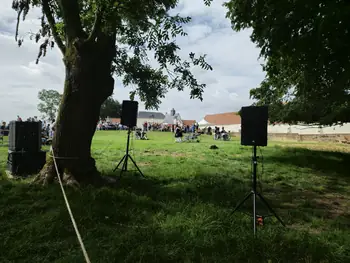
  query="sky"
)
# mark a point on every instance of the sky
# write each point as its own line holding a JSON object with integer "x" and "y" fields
{"x": 234, "y": 58}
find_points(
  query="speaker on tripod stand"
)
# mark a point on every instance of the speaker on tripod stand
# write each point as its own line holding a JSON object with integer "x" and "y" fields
{"x": 129, "y": 119}
{"x": 254, "y": 123}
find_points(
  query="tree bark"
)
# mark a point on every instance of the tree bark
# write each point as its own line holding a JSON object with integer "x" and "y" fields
{"x": 88, "y": 83}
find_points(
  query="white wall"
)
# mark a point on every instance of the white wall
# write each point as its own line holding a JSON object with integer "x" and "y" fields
{"x": 301, "y": 129}
{"x": 141, "y": 121}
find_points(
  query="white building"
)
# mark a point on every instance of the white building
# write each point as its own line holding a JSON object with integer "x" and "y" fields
{"x": 149, "y": 116}
{"x": 231, "y": 121}
{"x": 172, "y": 118}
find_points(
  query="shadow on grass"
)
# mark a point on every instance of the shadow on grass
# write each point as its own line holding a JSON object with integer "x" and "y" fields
{"x": 227, "y": 192}
{"x": 150, "y": 220}
{"x": 331, "y": 167}
{"x": 333, "y": 163}
{"x": 326, "y": 191}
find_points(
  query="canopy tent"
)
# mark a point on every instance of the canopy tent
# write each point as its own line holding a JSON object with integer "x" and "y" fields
{"x": 203, "y": 123}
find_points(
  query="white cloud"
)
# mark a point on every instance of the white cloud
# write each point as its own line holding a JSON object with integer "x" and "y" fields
{"x": 233, "y": 56}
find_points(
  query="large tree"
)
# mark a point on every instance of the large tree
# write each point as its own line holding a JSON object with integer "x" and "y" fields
{"x": 49, "y": 102}
{"x": 306, "y": 47}
{"x": 110, "y": 108}
{"x": 100, "y": 39}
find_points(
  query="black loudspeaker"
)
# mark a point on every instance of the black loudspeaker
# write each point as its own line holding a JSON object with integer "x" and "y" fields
{"x": 25, "y": 136}
{"x": 254, "y": 120}
{"x": 129, "y": 113}
{"x": 25, "y": 163}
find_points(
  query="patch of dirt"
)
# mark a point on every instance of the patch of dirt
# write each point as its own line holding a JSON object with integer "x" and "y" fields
{"x": 332, "y": 205}
{"x": 331, "y": 208}
{"x": 144, "y": 164}
{"x": 166, "y": 153}
{"x": 201, "y": 157}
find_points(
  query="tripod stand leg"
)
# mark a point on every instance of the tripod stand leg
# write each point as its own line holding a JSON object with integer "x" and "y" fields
{"x": 119, "y": 163}
{"x": 124, "y": 167}
{"x": 242, "y": 202}
{"x": 254, "y": 212}
{"x": 270, "y": 209}
{"x": 138, "y": 169}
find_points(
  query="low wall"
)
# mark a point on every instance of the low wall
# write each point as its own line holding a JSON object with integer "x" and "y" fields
{"x": 338, "y": 138}
{"x": 310, "y": 129}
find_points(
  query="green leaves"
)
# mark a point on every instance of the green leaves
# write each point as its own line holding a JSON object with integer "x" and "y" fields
{"x": 141, "y": 28}
{"x": 49, "y": 102}
{"x": 306, "y": 48}
{"x": 110, "y": 108}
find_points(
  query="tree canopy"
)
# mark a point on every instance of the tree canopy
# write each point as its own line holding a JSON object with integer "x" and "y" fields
{"x": 139, "y": 27}
{"x": 49, "y": 102}
{"x": 110, "y": 108}
{"x": 306, "y": 47}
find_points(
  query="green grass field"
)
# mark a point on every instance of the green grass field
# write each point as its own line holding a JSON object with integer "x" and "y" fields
{"x": 181, "y": 211}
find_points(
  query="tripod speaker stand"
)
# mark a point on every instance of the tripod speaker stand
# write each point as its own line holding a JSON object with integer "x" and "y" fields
{"x": 254, "y": 193}
{"x": 126, "y": 157}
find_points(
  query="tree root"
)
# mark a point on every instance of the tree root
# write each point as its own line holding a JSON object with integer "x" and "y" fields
{"x": 48, "y": 175}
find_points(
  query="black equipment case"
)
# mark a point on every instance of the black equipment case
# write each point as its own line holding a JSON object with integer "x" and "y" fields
{"x": 25, "y": 163}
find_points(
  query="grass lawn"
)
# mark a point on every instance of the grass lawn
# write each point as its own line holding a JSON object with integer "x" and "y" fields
{"x": 181, "y": 211}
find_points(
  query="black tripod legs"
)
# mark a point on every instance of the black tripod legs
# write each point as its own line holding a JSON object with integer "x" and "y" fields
{"x": 270, "y": 209}
{"x": 120, "y": 163}
{"x": 125, "y": 158}
{"x": 254, "y": 195}
{"x": 138, "y": 169}
{"x": 242, "y": 202}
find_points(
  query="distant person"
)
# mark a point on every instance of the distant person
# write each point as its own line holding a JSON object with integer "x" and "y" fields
{"x": 178, "y": 134}
{"x": 196, "y": 126}
{"x": 209, "y": 131}
{"x": 224, "y": 134}
{"x": 19, "y": 118}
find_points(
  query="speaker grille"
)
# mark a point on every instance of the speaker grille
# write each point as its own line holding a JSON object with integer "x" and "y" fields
{"x": 129, "y": 113}
{"x": 254, "y": 122}
{"x": 25, "y": 136}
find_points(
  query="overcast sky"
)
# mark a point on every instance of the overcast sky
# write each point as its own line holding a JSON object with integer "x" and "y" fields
{"x": 232, "y": 55}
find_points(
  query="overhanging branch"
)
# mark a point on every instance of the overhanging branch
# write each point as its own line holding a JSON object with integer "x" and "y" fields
{"x": 71, "y": 18}
{"x": 97, "y": 24}
{"x": 51, "y": 20}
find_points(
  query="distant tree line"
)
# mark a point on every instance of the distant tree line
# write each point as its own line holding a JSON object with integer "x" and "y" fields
{"x": 49, "y": 101}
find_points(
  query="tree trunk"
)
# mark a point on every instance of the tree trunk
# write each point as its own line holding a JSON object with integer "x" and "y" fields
{"x": 88, "y": 82}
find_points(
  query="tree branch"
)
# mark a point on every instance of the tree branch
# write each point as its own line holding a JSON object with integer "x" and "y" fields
{"x": 51, "y": 20}
{"x": 97, "y": 24}
{"x": 17, "y": 25}
{"x": 71, "y": 18}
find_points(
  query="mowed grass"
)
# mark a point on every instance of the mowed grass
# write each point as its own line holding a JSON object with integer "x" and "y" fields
{"x": 181, "y": 211}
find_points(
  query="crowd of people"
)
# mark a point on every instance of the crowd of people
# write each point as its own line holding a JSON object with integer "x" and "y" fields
{"x": 47, "y": 128}
{"x": 148, "y": 126}
{"x": 221, "y": 134}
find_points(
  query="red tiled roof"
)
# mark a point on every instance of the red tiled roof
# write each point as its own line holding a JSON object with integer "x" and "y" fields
{"x": 188, "y": 122}
{"x": 223, "y": 118}
{"x": 115, "y": 120}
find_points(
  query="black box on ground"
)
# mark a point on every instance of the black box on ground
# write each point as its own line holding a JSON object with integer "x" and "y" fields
{"x": 25, "y": 163}
{"x": 25, "y": 136}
